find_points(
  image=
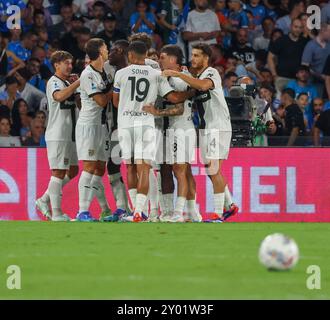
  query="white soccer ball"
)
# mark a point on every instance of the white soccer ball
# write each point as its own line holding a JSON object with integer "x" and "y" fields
{"x": 278, "y": 252}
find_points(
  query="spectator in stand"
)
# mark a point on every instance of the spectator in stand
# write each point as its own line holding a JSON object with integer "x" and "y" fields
{"x": 15, "y": 35}
{"x": 172, "y": 18}
{"x": 281, "y": 9}
{"x": 142, "y": 20}
{"x": 78, "y": 49}
{"x": 33, "y": 66}
{"x": 57, "y": 31}
{"x": 21, "y": 120}
{"x": 262, "y": 42}
{"x": 304, "y": 104}
{"x": 123, "y": 9}
{"x": 291, "y": 45}
{"x": 42, "y": 34}
{"x": 202, "y": 25}
{"x": 294, "y": 118}
{"x": 326, "y": 75}
{"x": 235, "y": 65}
{"x": 38, "y": 21}
{"x": 307, "y": 32}
{"x": 41, "y": 116}
{"x": 28, "y": 92}
{"x": 23, "y": 48}
{"x": 230, "y": 79}
{"x": 36, "y": 7}
{"x": 296, "y": 7}
{"x": 276, "y": 34}
{"x": 217, "y": 58}
{"x": 322, "y": 126}
{"x": 95, "y": 25}
{"x": 313, "y": 115}
{"x": 110, "y": 34}
{"x": 279, "y": 137}
{"x": 9, "y": 92}
{"x": 325, "y": 13}
{"x": 302, "y": 83}
{"x": 69, "y": 39}
{"x": 258, "y": 11}
{"x": 45, "y": 68}
{"x": 5, "y": 55}
{"x": 6, "y": 140}
{"x": 266, "y": 77}
{"x": 256, "y": 66}
{"x": 237, "y": 16}
{"x": 241, "y": 48}
{"x": 83, "y": 7}
{"x": 315, "y": 55}
{"x": 37, "y": 133}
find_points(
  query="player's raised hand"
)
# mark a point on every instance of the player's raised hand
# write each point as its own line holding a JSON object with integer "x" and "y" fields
{"x": 150, "y": 108}
{"x": 170, "y": 73}
{"x": 73, "y": 77}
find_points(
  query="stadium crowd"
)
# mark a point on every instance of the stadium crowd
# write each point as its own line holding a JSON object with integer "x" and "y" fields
{"x": 268, "y": 41}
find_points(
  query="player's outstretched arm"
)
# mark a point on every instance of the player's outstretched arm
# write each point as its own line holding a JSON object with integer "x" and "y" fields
{"x": 62, "y": 95}
{"x": 176, "y": 110}
{"x": 176, "y": 97}
{"x": 199, "y": 84}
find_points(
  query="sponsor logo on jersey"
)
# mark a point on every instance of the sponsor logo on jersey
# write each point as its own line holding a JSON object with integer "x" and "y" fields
{"x": 135, "y": 113}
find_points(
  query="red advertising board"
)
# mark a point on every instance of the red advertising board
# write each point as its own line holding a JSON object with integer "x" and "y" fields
{"x": 268, "y": 184}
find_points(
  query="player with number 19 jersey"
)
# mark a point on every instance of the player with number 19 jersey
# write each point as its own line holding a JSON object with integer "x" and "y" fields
{"x": 138, "y": 85}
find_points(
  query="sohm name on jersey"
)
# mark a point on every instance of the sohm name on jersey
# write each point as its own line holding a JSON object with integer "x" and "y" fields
{"x": 139, "y": 71}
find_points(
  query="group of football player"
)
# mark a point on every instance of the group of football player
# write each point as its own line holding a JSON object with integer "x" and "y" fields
{"x": 125, "y": 107}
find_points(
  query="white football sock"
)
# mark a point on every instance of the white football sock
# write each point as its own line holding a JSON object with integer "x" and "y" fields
{"x": 45, "y": 196}
{"x": 228, "y": 198}
{"x": 153, "y": 191}
{"x": 119, "y": 191}
{"x": 55, "y": 190}
{"x": 168, "y": 201}
{"x": 132, "y": 194}
{"x": 85, "y": 191}
{"x": 219, "y": 201}
{"x": 98, "y": 190}
{"x": 140, "y": 202}
{"x": 160, "y": 194}
{"x": 191, "y": 207}
{"x": 179, "y": 205}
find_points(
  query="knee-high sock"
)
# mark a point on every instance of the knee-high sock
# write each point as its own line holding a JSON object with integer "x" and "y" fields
{"x": 55, "y": 191}
{"x": 132, "y": 194}
{"x": 219, "y": 201}
{"x": 119, "y": 191}
{"x": 98, "y": 191}
{"x": 45, "y": 197}
{"x": 85, "y": 191}
{"x": 228, "y": 198}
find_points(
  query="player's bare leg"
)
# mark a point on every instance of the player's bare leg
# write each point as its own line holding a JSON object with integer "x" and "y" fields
{"x": 153, "y": 198}
{"x": 167, "y": 186}
{"x": 180, "y": 172}
{"x": 192, "y": 211}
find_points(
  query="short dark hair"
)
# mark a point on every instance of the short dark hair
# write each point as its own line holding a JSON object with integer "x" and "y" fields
{"x": 205, "y": 48}
{"x": 303, "y": 68}
{"x": 268, "y": 87}
{"x": 124, "y": 44}
{"x": 289, "y": 92}
{"x": 10, "y": 80}
{"x": 59, "y": 56}
{"x": 175, "y": 51}
{"x": 138, "y": 47}
{"x": 93, "y": 48}
{"x": 230, "y": 74}
{"x": 141, "y": 36}
{"x": 302, "y": 94}
{"x": 293, "y": 3}
{"x": 24, "y": 73}
{"x": 99, "y": 4}
{"x": 261, "y": 55}
{"x": 27, "y": 34}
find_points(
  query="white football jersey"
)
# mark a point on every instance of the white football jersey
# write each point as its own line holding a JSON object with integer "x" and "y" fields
{"x": 183, "y": 121}
{"x": 92, "y": 82}
{"x": 138, "y": 85}
{"x": 152, "y": 63}
{"x": 62, "y": 115}
{"x": 214, "y": 113}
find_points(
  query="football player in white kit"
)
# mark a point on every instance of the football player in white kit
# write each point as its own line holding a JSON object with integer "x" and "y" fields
{"x": 214, "y": 114}
{"x": 135, "y": 86}
{"x": 92, "y": 137}
{"x": 181, "y": 139}
{"x": 60, "y": 135}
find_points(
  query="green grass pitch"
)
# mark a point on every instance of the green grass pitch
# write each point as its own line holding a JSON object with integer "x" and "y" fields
{"x": 157, "y": 261}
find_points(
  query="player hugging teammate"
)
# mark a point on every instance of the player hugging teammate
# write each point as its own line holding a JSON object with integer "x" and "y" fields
{"x": 123, "y": 90}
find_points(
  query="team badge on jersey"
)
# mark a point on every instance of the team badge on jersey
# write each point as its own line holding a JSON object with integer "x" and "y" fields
{"x": 91, "y": 152}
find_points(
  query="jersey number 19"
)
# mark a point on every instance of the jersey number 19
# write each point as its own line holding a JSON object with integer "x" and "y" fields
{"x": 139, "y": 88}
